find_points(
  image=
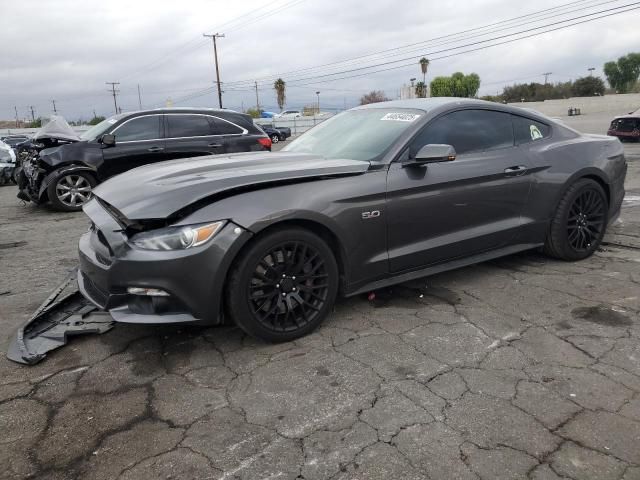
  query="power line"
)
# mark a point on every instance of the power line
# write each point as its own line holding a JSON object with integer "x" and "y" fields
{"x": 481, "y": 41}
{"x": 473, "y": 49}
{"x": 323, "y": 78}
{"x": 196, "y": 43}
{"x": 434, "y": 39}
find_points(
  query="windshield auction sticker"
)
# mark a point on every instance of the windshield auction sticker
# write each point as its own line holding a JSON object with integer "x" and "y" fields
{"x": 401, "y": 117}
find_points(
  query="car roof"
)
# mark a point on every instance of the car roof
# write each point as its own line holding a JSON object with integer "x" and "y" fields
{"x": 183, "y": 110}
{"x": 629, "y": 115}
{"x": 444, "y": 103}
{"x": 428, "y": 104}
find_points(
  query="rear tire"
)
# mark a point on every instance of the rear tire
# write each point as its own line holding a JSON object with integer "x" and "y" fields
{"x": 68, "y": 192}
{"x": 579, "y": 223}
{"x": 275, "y": 138}
{"x": 283, "y": 286}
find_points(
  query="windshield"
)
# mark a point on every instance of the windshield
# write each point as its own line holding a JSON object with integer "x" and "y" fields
{"x": 357, "y": 134}
{"x": 97, "y": 130}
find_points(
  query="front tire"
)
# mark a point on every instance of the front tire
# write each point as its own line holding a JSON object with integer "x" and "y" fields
{"x": 283, "y": 286}
{"x": 69, "y": 192}
{"x": 579, "y": 223}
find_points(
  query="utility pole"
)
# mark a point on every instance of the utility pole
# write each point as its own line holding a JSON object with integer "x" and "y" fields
{"x": 54, "y": 107}
{"x": 114, "y": 92}
{"x": 33, "y": 116}
{"x": 17, "y": 120}
{"x": 546, "y": 76}
{"x": 318, "y": 94}
{"x": 139, "y": 98}
{"x": 591, "y": 69}
{"x": 94, "y": 113}
{"x": 215, "y": 54}
{"x": 257, "y": 100}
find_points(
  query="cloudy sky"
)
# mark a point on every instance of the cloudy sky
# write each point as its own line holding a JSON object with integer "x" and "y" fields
{"x": 65, "y": 50}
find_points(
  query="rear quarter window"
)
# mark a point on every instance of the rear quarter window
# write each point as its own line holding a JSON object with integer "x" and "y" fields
{"x": 527, "y": 130}
{"x": 223, "y": 127}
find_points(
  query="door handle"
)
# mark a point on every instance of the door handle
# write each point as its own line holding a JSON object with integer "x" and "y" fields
{"x": 155, "y": 149}
{"x": 515, "y": 171}
{"x": 215, "y": 145}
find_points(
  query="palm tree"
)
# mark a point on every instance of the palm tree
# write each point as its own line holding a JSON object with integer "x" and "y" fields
{"x": 279, "y": 85}
{"x": 424, "y": 64}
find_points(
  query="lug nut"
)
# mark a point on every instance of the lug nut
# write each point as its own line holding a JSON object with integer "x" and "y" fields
{"x": 284, "y": 294}
{"x": 294, "y": 289}
{"x": 293, "y": 278}
{"x": 278, "y": 286}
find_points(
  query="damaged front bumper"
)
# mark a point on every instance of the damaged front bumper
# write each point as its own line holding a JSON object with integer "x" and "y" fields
{"x": 65, "y": 313}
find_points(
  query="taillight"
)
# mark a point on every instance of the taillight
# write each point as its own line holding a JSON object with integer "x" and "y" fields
{"x": 265, "y": 142}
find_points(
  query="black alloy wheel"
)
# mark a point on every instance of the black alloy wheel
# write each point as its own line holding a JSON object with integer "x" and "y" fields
{"x": 580, "y": 221}
{"x": 585, "y": 223}
{"x": 284, "y": 286}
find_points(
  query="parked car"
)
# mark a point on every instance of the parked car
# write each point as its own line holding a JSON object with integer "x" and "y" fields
{"x": 66, "y": 175}
{"x": 625, "y": 127}
{"x": 7, "y": 163}
{"x": 380, "y": 194}
{"x": 288, "y": 114}
{"x": 276, "y": 134}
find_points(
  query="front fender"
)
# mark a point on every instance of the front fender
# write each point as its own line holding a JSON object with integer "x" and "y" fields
{"x": 334, "y": 206}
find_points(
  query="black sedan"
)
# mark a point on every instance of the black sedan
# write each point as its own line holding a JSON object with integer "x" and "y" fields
{"x": 377, "y": 195}
{"x": 276, "y": 134}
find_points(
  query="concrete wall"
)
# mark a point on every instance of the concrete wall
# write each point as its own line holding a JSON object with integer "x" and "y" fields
{"x": 610, "y": 105}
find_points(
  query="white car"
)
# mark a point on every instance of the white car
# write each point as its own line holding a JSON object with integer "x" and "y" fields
{"x": 288, "y": 114}
{"x": 7, "y": 163}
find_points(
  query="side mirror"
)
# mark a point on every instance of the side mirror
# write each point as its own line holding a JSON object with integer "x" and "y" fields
{"x": 433, "y": 153}
{"x": 108, "y": 140}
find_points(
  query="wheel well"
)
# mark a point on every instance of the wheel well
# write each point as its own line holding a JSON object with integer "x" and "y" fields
{"x": 317, "y": 228}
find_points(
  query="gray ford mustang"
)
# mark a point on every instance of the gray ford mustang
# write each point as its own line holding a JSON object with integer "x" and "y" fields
{"x": 377, "y": 195}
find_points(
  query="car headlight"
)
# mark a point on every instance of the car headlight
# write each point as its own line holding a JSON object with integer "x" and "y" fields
{"x": 176, "y": 238}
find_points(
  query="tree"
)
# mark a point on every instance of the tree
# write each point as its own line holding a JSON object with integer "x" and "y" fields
{"x": 624, "y": 73}
{"x": 421, "y": 90}
{"x": 424, "y": 65}
{"x": 96, "y": 120}
{"x": 254, "y": 112}
{"x": 537, "y": 92}
{"x": 457, "y": 85}
{"x": 279, "y": 85}
{"x": 588, "y": 86}
{"x": 37, "y": 123}
{"x": 373, "y": 96}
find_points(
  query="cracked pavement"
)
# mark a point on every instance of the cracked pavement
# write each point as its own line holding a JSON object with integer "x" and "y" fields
{"x": 523, "y": 367}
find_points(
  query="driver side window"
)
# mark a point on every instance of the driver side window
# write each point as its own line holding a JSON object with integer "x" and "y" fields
{"x": 467, "y": 131}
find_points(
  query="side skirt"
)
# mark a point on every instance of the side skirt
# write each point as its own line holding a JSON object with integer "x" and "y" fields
{"x": 443, "y": 267}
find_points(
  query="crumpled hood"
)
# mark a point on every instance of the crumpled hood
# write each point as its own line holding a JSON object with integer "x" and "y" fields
{"x": 159, "y": 190}
{"x": 62, "y": 153}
